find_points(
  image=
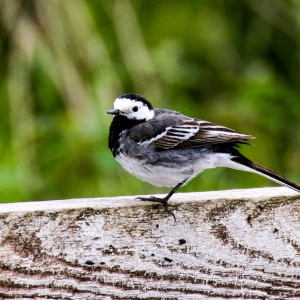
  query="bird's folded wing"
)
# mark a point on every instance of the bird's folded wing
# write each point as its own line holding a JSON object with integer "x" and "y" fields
{"x": 196, "y": 133}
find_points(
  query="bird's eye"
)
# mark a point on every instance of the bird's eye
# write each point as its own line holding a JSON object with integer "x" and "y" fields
{"x": 135, "y": 109}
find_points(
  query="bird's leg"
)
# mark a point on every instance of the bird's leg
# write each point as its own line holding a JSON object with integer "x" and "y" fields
{"x": 164, "y": 200}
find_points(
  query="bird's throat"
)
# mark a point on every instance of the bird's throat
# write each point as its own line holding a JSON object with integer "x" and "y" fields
{"x": 119, "y": 124}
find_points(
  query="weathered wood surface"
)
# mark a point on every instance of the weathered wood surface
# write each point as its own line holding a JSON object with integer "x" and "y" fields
{"x": 239, "y": 244}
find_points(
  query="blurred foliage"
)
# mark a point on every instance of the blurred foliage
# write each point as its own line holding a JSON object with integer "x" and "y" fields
{"x": 63, "y": 62}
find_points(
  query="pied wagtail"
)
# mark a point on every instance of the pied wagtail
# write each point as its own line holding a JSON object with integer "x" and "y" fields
{"x": 166, "y": 148}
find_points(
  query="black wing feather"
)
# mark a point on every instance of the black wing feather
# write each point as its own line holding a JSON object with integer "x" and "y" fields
{"x": 174, "y": 130}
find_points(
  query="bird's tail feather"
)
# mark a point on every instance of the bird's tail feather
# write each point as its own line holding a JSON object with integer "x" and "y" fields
{"x": 267, "y": 173}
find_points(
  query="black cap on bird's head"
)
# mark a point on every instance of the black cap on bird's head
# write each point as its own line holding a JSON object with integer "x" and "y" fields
{"x": 136, "y": 97}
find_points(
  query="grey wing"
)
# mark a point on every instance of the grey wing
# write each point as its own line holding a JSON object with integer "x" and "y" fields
{"x": 193, "y": 133}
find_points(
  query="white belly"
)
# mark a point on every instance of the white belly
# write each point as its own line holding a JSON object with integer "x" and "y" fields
{"x": 163, "y": 176}
{"x": 155, "y": 175}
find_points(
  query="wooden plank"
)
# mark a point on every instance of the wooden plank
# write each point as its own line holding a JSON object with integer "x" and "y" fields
{"x": 237, "y": 244}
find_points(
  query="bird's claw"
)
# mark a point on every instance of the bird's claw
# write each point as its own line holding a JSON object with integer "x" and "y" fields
{"x": 163, "y": 201}
{"x": 151, "y": 199}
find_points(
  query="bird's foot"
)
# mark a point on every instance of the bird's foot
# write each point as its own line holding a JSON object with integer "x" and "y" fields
{"x": 163, "y": 201}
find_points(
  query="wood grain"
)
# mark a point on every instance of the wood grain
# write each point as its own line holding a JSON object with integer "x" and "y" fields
{"x": 238, "y": 244}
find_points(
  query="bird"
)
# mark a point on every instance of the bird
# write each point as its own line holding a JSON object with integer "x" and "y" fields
{"x": 168, "y": 149}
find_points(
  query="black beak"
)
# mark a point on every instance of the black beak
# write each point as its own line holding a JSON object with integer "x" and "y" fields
{"x": 113, "y": 112}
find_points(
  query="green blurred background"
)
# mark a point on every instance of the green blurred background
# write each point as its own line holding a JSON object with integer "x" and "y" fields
{"x": 232, "y": 62}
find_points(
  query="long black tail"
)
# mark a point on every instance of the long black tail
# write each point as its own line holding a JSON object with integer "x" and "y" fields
{"x": 266, "y": 172}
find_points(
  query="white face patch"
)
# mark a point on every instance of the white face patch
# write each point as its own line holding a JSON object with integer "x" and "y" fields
{"x": 127, "y": 106}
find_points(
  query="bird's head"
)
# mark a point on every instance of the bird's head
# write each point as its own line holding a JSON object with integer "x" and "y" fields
{"x": 133, "y": 107}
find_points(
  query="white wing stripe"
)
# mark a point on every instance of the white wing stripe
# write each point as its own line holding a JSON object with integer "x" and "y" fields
{"x": 220, "y": 133}
{"x": 174, "y": 134}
